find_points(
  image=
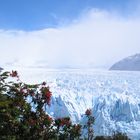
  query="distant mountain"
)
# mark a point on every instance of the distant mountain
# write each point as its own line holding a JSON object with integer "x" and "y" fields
{"x": 131, "y": 63}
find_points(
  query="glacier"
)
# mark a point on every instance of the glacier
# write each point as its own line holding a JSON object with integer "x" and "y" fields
{"x": 113, "y": 96}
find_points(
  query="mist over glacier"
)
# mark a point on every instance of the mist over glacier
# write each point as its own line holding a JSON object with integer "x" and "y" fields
{"x": 98, "y": 38}
{"x": 113, "y": 96}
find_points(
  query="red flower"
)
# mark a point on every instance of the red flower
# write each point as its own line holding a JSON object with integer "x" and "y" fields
{"x": 48, "y": 95}
{"x": 44, "y": 83}
{"x": 14, "y": 74}
{"x": 48, "y": 120}
{"x": 88, "y": 112}
{"x": 65, "y": 121}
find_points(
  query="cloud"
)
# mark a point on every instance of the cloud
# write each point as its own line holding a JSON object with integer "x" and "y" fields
{"x": 97, "y": 39}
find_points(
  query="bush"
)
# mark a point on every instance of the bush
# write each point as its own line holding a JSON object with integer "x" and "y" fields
{"x": 23, "y": 116}
{"x": 22, "y": 112}
{"x": 89, "y": 125}
{"x": 120, "y": 136}
{"x": 116, "y": 136}
{"x": 103, "y": 138}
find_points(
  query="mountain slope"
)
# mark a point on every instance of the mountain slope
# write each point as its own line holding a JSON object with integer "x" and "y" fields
{"x": 131, "y": 63}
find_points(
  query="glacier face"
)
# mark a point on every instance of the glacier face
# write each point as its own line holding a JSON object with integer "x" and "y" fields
{"x": 114, "y": 97}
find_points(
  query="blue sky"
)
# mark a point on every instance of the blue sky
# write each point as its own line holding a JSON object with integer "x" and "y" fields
{"x": 68, "y": 33}
{"x": 39, "y": 14}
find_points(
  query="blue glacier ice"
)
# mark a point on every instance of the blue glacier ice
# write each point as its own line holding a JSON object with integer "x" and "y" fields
{"x": 113, "y": 96}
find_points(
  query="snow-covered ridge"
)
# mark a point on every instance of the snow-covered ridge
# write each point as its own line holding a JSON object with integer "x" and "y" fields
{"x": 113, "y": 96}
{"x": 131, "y": 63}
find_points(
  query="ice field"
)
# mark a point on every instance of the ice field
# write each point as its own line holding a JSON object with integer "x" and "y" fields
{"x": 113, "y": 96}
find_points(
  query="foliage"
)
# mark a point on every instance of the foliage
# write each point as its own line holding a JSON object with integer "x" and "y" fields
{"x": 103, "y": 138}
{"x": 23, "y": 116}
{"x": 89, "y": 124}
{"x": 22, "y": 112}
{"x": 116, "y": 136}
{"x": 120, "y": 136}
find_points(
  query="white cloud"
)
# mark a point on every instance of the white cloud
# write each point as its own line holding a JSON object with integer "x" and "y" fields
{"x": 97, "y": 39}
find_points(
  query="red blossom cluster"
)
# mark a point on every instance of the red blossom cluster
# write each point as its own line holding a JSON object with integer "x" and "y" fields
{"x": 25, "y": 119}
{"x": 14, "y": 74}
{"x": 63, "y": 121}
{"x": 44, "y": 84}
{"x": 48, "y": 120}
{"x": 77, "y": 128}
{"x": 47, "y": 95}
{"x": 88, "y": 112}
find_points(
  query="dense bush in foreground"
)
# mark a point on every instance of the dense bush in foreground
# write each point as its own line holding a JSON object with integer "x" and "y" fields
{"x": 22, "y": 112}
{"x": 23, "y": 116}
{"x": 116, "y": 136}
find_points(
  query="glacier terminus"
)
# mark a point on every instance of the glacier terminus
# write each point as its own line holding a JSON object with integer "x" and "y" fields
{"x": 113, "y": 96}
